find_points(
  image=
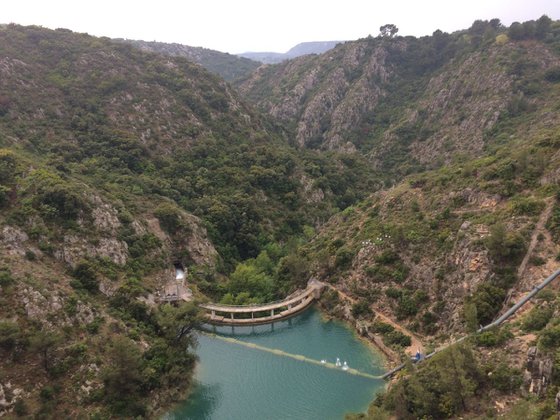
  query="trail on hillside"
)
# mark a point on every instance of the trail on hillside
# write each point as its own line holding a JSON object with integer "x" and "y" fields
{"x": 539, "y": 228}
{"x": 415, "y": 342}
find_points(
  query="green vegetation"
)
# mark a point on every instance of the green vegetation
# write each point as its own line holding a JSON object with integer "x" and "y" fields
{"x": 116, "y": 163}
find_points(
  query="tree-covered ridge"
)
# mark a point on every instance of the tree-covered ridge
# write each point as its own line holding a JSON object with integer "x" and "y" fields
{"x": 142, "y": 124}
{"x": 229, "y": 67}
{"x": 107, "y": 154}
{"x": 402, "y": 100}
{"x": 116, "y": 163}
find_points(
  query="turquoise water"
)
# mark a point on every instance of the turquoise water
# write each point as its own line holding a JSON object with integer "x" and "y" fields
{"x": 236, "y": 382}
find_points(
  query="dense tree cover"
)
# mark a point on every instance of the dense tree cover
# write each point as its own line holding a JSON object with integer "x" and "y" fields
{"x": 450, "y": 383}
{"x": 229, "y": 67}
{"x": 192, "y": 141}
{"x": 158, "y": 138}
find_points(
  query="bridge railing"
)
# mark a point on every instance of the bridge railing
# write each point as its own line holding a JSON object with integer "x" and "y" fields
{"x": 294, "y": 295}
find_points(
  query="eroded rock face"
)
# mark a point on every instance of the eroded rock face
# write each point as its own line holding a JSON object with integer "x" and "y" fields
{"x": 199, "y": 246}
{"x": 105, "y": 216}
{"x": 75, "y": 248}
{"x": 8, "y": 397}
{"x": 13, "y": 240}
{"x": 325, "y": 96}
{"x": 538, "y": 372}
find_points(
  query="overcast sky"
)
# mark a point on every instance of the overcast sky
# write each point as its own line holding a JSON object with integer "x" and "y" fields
{"x": 237, "y": 26}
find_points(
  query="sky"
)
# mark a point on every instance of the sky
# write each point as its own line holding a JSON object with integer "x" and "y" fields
{"x": 237, "y": 26}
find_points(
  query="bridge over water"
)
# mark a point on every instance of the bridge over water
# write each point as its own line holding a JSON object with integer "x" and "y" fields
{"x": 263, "y": 313}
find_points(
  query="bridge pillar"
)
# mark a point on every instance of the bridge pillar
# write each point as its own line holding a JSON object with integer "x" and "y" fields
{"x": 231, "y": 315}
{"x": 272, "y": 312}
{"x": 317, "y": 292}
{"x": 213, "y": 315}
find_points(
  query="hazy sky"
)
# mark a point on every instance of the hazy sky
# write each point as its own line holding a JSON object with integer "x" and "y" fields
{"x": 237, "y": 26}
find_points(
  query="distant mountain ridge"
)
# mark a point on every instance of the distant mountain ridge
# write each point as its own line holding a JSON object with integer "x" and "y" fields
{"x": 303, "y": 48}
{"x": 230, "y": 67}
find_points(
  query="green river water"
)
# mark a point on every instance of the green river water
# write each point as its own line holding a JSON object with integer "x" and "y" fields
{"x": 239, "y": 382}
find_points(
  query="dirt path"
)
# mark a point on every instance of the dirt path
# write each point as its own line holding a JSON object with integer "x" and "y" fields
{"x": 539, "y": 228}
{"x": 415, "y": 342}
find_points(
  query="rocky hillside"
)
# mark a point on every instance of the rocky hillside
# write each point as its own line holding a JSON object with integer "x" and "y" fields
{"x": 444, "y": 252}
{"x": 449, "y": 250}
{"x": 408, "y": 103}
{"x": 229, "y": 67}
{"x": 115, "y": 164}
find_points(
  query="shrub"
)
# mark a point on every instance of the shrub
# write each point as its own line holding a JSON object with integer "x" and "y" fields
{"x": 6, "y": 278}
{"x": 393, "y": 293}
{"x": 47, "y": 393}
{"x": 397, "y": 338}
{"x": 360, "y": 309}
{"x": 537, "y": 319}
{"x": 10, "y": 335}
{"x": 552, "y": 75}
{"x": 93, "y": 327}
{"x": 537, "y": 260}
{"x": 505, "y": 246}
{"x": 169, "y": 218}
{"x": 20, "y": 408}
{"x": 550, "y": 337}
{"x": 86, "y": 277}
{"x": 505, "y": 378}
{"x": 527, "y": 207}
{"x": 493, "y": 338}
{"x": 379, "y": 327}
{"x": 344, "y": 257}
{"x": 488, "y": 300}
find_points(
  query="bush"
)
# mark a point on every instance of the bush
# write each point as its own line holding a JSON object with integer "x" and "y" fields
{"x": 10, "y": 335}
{"x": 47, "y": 393}
{"x": 537, "y": 319}
{"x": 505, "y": 379}
{"x": 488, "y": 301}
{"x": 20, "y": 408}
{"x": 537, "y": 260}
{"x": 379, "y": 327}
{"x": 393, "y": 293}
{"x": 169, "y": 218}
{"x": 397, "y": 338}
{"x": 6, "y": 278}
{"x": 550, "y": 337}
{"x": 86, "y": 277}
{"x": 344, "y": 257}
{"x": 30, "y": 255}
{"x": 552, "y": 75}
{"x": 493, "y": 338}
{"x": 505, "y": 246}
{"x": 93, "y": 327}
{"x": 360, "y": 309}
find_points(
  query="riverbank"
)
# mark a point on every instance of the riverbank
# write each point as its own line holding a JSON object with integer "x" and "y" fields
{"x": 392, "y": 356}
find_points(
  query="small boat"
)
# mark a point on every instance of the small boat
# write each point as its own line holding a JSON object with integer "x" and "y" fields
{"x": 345, "y": 366}
{"x": 338, "y": 364}
{"x": 323, "y": 361}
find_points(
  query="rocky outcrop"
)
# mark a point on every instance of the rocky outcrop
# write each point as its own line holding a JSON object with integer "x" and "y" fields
{"x": 538, "y": 372}
{"x": 13, "y": 240}
{"x": 75, "y": 248}
{"x": 9, "y": 395}
{"x": 200, "y": 249}
{"x": 325, "y": 96}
